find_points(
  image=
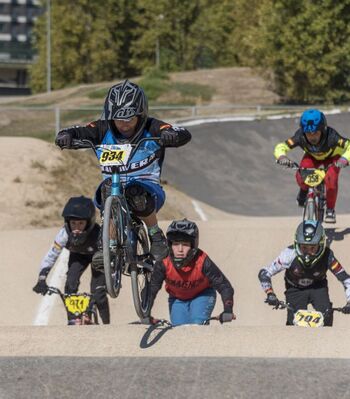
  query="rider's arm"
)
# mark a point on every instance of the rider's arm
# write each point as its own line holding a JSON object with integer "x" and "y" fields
{"x": 281, "y": 149}
{"x": 220, "y": 283}
{"x": 50, "y": 258}
{"x": 341, "y": 144}
{"x": 337, "y": 269}
{"x": 93, "y": 131}
{"x": 182, "y": 135}
{"x": 157, "y": 278}
{"x": 282, "y": 262}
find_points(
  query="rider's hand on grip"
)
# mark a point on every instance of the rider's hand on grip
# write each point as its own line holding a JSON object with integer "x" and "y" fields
{"x": 272, "y": 299}
{"x": 41, "y": 287}
{"x": 168, "y": 139}
{"x": 63, "y": 139}
{"x": 285, "y": 161}
{"x": 226, "y": 317}
{"x": 346, "y": 308}
{"x": 341, "y": 163}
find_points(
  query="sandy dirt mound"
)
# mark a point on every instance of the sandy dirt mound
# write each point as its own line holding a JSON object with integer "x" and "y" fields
{"x": 240, "y": 85}
{"x": 38, "y": 179}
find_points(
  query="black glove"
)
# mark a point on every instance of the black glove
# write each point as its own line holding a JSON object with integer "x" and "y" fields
{"x": 225, "y": 317}
{"x": 346, "y": 308}
{"x": 284, "y": 161}
{"x": 41, "y": 287}
{"x": 168, "y": 139}
{"x": 272, "y": 299}
{"x": 63, "y": 139}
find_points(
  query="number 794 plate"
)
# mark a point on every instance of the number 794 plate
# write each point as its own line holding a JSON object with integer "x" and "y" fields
{"x": 306, "y": 318}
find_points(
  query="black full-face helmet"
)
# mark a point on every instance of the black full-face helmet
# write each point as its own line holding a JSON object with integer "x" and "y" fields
{"x": 183, "y": 230}
{"x": 309, "y": 233}
{"x": 124, "y": 101}
{"x": 79, "y": 208}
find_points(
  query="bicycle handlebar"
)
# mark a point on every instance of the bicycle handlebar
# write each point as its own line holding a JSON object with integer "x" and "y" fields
{"x": 285, "y": 305}
{"x": 54, "y": 290}
{"x": 296, "y": 166}
{"x": 86, "y": 143}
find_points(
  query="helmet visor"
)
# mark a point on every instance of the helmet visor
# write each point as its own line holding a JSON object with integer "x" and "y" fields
{"x": 308, "y": 249}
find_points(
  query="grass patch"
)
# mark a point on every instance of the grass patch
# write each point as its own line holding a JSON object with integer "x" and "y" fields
{"x": 155, "y": 83}
{"x": 194, "y": 90}
{"x": 97, "y": 94}
{"x": 76, "y": 117}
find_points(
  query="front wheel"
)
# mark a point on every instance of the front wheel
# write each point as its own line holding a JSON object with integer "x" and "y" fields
{"x": 113, "y": 241}
{"x": 309, "y": 210}
{"x": 141, "y": 277}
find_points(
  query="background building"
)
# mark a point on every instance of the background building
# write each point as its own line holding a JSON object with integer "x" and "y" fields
{"x": 16, "y": 54}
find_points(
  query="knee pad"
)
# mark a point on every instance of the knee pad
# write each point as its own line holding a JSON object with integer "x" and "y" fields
{"x": 140, "y": 201}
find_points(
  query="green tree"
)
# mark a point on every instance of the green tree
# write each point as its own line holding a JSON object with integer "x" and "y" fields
{"x": 90, "y": 42}
{"x": 307, "y": 46}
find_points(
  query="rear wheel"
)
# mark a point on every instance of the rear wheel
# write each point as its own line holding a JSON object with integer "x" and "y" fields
{"x": 141, "y": 277}
{"x": 113, "y": 241}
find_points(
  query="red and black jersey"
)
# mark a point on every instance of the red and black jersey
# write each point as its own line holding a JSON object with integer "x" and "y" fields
{"x": 189, "y": 281}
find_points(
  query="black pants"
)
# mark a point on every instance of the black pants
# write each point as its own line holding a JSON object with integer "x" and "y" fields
{"x": 77, "y": 264}
{"x": 317, "y": 296}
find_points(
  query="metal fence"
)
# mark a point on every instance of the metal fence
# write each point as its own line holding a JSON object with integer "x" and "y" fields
{"x": 44, "y": 121}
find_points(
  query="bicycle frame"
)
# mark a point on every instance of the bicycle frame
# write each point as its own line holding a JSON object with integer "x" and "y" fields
{"x": 124, "y": 237}
{"x": 315, "y": 203}
{"x": 88, "y": 316}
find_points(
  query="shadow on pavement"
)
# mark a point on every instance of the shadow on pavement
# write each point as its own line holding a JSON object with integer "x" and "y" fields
{"x": 153, "y": 335}
{"x": 333, "y": 235}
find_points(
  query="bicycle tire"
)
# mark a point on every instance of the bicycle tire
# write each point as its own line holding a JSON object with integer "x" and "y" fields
{"x": 94, "y": 315}
{"x": 113, "y": 257}
{"x": 140, "y": 277}
{"x": 309, "y": 211}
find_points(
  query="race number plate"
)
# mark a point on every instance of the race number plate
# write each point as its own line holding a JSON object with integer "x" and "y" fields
{"x": 115, "y": 155}
{"x": 314, "y": 178}
{"x": 306, "y": 318}
{"x": 77, "y": 304}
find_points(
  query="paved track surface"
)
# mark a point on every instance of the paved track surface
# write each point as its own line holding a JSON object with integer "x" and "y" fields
{"x": 178, "y": 378}
{"x": 231, "y": 166}
{"x": 256, "y": 356}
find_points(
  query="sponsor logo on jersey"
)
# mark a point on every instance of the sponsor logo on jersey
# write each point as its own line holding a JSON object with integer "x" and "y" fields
{"x": 185, "y": 284}
{"x": 133, "y": 165}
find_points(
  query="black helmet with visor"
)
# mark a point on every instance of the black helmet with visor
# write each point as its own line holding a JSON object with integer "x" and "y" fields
{"x": 124, "y": 101}
{"x": 309, "y": 242}
{"x": 187, "y": 231}
{"x": 79, "y": 208}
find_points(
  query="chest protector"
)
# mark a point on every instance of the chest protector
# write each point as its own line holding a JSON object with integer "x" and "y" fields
{"x": 187, "y": 282}
{"x": 300, "y": 276}
{"x": 89, "y": 247}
